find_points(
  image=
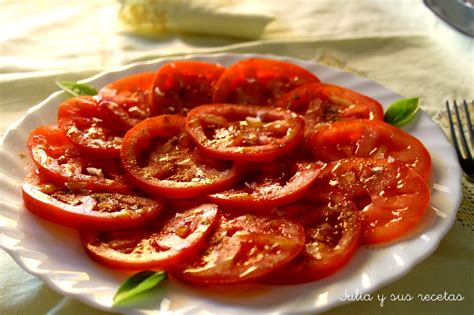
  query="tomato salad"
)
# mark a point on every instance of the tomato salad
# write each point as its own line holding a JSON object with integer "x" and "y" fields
{"x": 258, "y": 172}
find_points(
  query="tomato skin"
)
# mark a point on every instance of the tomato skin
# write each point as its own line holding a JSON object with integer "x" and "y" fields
{"x": 392, "y": 198}
{"x": 157, "y": 245}
{"x": 244, "y": 248}
{"x": 364, "y": 138}
{"x": 243, "y": 132}
{"x": 184, "y": 203}
{"x": 333, "y": 232}
{"x": 102, "y": 211}
{"x": 258, "y": 81}
{"x": 58, "y": 158}
{"x": 83, "y": 122}
{"x": 326, "y": 103}
{"x": 269, "y": 184}
{"x": 127, "y": 100}
{"x": 180, "y": 86}
{"x": 172, "y": 160}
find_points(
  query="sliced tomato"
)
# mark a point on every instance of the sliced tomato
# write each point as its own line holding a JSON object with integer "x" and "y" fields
{"x": 83, "y": 122}
{"x": 258, "y": 81}
{"x": 244, "y": 248}
{"x": 322, "y": 103}
{"x": 364, "y": 138}
{"x": 156, "y": 245}
{"x": 269, "y": 184}
{"x": 182, "y": 85}
{"x": 243, "y": 132}
{"x": 160, "y": 158}
{"x": 85, "y": 209}
{"x": 333, "y": 231}
{"x": 57, "y": 157}
{"x": 128, "y": 99}
{"x": 392, "y": 198}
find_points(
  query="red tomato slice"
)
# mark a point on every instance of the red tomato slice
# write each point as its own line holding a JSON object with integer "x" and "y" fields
{"x": 62, "y": 162}
{"x": 320, "y": 103}
{"x": 364, "y": 138}
{"x": 243, "y": 132}
{"x": 333, "y": 231}
{"x": 244, "y": 248}
{"x": 258, "y": 81}
{"x": 269, "y": 184}
{"x": 85, "y": 209}
{"x": 83, "y": 122}
{"x": 392, "y": 197}
{"x": 156, "y": 245}
{"x": 128, "y": 100}
{"x": 160, "y": 158}
{"x": 182, "y": 85}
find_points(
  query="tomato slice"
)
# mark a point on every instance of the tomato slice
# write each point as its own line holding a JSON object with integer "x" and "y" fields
{"x": 392, "y": 198}
{"x": 269, "y": 184}
{"x": 322, "y": 103}
{"x": 182, "y": 85}
{"x": 128, "y": 99}
{"x": 57, "y": 157}
{"x": 258, "y": 81}
{"x": 364, "y": 138}
{"x": 244, "y": 248}
{"x": 160, "y": 158}
{"x": 156, "y": 245}
{"x": 85, "y": 209}
{"x": 243, "y": 132}
{"x": 333, "y": 231}
{"x": 83, "y": 122}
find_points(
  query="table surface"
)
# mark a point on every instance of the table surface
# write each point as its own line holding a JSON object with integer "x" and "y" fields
{"x": 400, "y": 44}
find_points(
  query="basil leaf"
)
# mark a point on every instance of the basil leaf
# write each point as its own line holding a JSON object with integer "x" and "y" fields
{"x": 76, "y": 89}
{"x": 402, "y": 111}
{"x": 138, "y": 283}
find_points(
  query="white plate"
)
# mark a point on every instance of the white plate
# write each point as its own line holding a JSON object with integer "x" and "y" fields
{"x": 54, "y": 254}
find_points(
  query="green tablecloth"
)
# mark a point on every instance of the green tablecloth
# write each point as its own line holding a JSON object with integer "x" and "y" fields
{"x": 399, "y": 44}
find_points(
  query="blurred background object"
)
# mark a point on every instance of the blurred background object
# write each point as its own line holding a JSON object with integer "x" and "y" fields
{"x": 459, "y": 13}
{"x": 209, "y": 17}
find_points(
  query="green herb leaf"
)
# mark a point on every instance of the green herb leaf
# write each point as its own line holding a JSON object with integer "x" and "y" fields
{"x": 402, "y": 111}
{"x": 138, "y": 283}
{"x": 76, "y": 89}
